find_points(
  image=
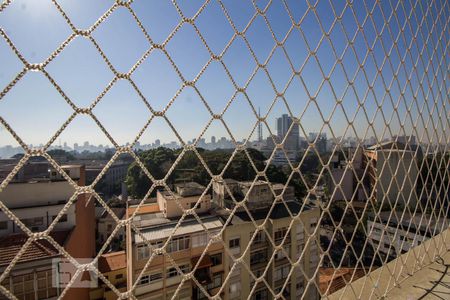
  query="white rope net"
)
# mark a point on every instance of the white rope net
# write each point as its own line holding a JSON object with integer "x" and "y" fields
{"x": 374, "y": 70}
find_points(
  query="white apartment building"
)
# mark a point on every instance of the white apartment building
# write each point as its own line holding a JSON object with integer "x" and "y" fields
{"x": 393, "y": 171}
{"x": 394, "y": 233}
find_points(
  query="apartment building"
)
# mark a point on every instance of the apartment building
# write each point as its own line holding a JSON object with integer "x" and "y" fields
{"x": 394, "y": 233}
{"x": 393, "y": 172}
{"x": 113, "y": 266}
{"x": 156, "y": 223}
{"x": 106, "y": 225}
{"x": 36, "y": 203}
{"x": 346, "y": 168}
{"x": 299, "y": 243}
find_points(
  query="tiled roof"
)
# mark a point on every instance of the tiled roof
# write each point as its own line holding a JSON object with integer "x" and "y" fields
{"x": 10, "y": 245}
{"x": 112, "y": 261}
{"x": 334, "y": 279}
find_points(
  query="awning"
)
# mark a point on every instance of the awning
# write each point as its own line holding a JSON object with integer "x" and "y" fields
{"x": 204, "y": 263}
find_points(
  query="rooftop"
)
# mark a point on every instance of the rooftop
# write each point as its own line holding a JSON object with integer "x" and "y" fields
{"x": 161, "y": 228}
{"x": 103, "y": 213}
{"x": 408, "y": 220}
{"x": 112, "y": 261}
{"x": 279, "y": 211}
{"x": 10, "y": 245}
{"x": 186, "y": 189}
{"x": 144, "y": 209}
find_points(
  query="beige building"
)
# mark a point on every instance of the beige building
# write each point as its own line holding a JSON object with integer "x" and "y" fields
{"x": 346, "y": 168}
{"x": 36, "y": 203}
{"x": 393, "y": 171}
{"x": 113, "y": 266}
{"x": 156, "y": 223}
{"x": 240, "y": 231}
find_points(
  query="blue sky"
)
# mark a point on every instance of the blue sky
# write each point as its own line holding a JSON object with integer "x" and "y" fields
{"x": 35, "y": 110}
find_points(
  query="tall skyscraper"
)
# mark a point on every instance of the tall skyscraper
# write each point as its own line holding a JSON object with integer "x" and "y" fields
{"x": 283, "y": 126}
{"x": 260, "y": 133}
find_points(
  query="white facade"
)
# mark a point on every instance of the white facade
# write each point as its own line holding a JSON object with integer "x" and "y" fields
{"x": 38, "y": 219}
{"x": 396, "y": 238}
{"x": 37, "y": 203}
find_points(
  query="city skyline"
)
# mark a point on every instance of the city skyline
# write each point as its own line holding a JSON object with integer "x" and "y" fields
{"x": 124, "y": 113}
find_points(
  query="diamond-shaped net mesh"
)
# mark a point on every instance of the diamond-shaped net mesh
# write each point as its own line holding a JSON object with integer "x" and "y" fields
{"x": 355, "y": 176}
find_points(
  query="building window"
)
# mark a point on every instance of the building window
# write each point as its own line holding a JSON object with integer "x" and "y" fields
{"x": 38, "y": 221}
{"x": 280, "y": 254}
{"x": 62, "y": 219}
{"x": 142, "y": 252}
{"x": 146, "y": 279}
{"x": 216, "y": 281}
{"x": 192, "y": 204}
{"x": 23, "y": 286}
{"x": 185, "y": 268}
{"x": 45, "y": 287}
{"x": 235, "y": 243}
{"x": 199, "y": 240}
{"x": 178, "y": 244}
{"x": 172, "y": 272}
{"x": 3, "y": 225}
{"x": 216, "y": 259}
{"x": 280, "y": 234}
{"x": 281, "y": 273}
{"x": 258, "y": 257}
{"x": 119, "y": 276}
{"x": 260, "y": 295}
{"x": 155, "y": 277}
{"x": 260, "y": 237}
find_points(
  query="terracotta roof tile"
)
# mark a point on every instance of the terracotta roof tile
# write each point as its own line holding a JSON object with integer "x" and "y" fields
{"x": 112, "y": 261}
{"x": 10, "y": 245}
